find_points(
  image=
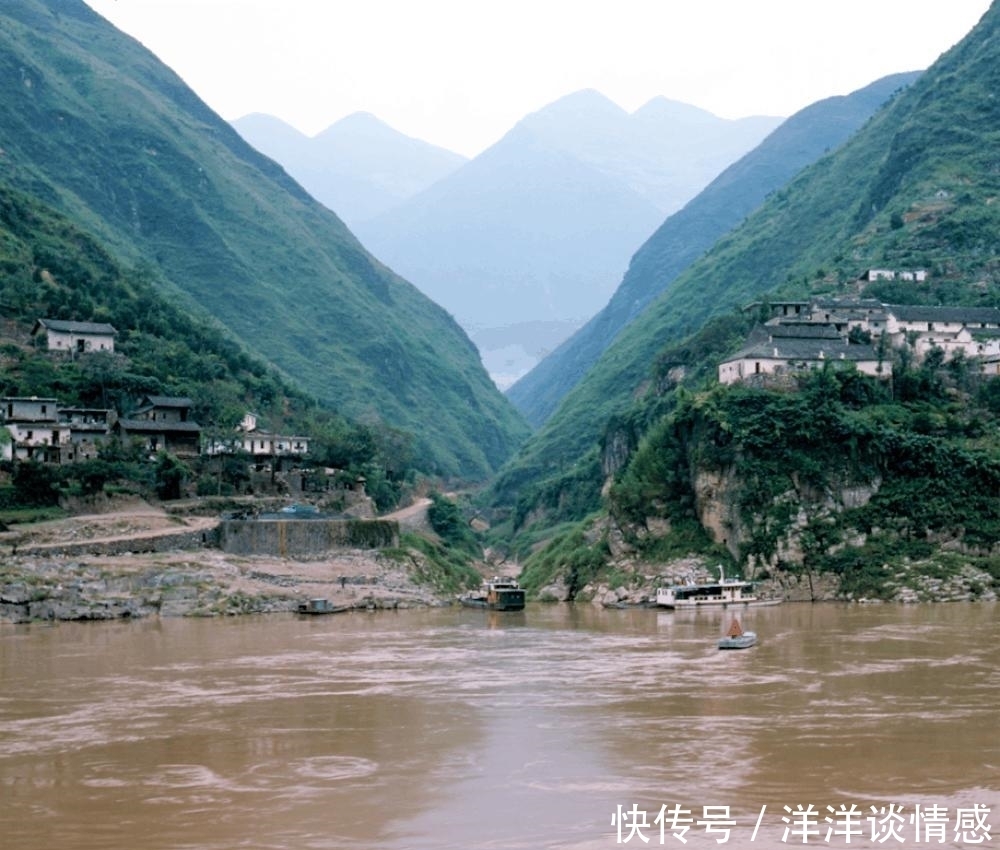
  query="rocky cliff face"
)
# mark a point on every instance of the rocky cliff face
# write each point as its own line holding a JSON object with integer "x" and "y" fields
{"x": 717, "y": 503}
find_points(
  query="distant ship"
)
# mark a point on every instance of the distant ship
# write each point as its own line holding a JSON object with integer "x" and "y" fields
{"x": 497, "y": 594}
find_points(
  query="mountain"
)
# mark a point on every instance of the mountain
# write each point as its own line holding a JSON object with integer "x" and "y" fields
{"x": 688, "y": 233}
{"x": 913, "y": 188}
{"x": 538, "y": 228}
{"x": 96, "y": 127}
{"x": 358, "y": 167}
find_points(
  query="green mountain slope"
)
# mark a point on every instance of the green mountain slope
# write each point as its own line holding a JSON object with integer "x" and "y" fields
{"x": 915, "y": 187}
{"x": 688, "y": 233}
{"x": 97, "y": 127}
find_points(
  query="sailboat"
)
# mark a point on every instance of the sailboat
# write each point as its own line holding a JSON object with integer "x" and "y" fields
{"x": 736, "y": 638}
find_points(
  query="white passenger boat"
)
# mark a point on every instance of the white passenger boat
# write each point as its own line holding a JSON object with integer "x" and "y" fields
{"x": 724, "y": 593}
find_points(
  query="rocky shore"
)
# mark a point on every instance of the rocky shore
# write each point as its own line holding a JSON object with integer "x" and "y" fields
{"x": 912, "y": 583}
{"x": 140, "y": 561}
{"x": 202, "y": 583}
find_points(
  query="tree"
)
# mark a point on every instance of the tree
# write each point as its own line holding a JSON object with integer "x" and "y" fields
{"x": 171, "y": 474}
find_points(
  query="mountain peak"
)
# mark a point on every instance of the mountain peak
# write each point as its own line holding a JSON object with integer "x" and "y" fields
{"x": 587, "y": 104}
{"x": 663, "y": 108}
{"x": 358, "y": 124}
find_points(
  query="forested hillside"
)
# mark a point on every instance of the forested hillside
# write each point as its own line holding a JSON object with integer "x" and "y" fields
{"x": 53, "y": 270}
{"x": 914, "y": 188}
{"x": 97, "y": 128}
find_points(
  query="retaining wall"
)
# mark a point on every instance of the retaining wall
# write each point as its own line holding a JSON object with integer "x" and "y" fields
{"x": 298, "y": 538}
{"x": 126, "y": 545}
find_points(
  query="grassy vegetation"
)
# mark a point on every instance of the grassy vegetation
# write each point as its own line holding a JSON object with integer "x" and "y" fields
{"x": 441, "y": 567}
{"x": 570, "y": 556}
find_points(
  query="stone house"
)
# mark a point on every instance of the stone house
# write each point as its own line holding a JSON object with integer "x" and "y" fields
{"x": 89, "y": 429}
{"x": 163, "y": 423}
{"x": 972, "y": 331}
{"x": 75, "y": 337}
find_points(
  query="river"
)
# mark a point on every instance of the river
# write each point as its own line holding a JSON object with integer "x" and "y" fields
{"x": 559, "y": 727}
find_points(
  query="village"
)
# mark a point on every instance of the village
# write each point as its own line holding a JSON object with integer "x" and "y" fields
{"x": 803, "y": 335}
{"x": 46, "y": 431}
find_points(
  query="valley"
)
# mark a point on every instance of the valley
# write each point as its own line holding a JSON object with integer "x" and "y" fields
{"x": 641, "y": 256}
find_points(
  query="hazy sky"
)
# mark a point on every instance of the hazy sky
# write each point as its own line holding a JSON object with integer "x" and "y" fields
{"x": 460, "y": 73}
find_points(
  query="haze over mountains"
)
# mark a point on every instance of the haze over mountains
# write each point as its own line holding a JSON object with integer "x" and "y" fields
{"x": 526, "y": 241}
{"x": 688, "y": 233}
{"x": 358, "y": 167}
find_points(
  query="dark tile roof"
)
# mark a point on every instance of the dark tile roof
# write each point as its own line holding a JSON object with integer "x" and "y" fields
{"x": 965, "y": 315}
{"x": 801, "y": 330}
{"x": 805, "y": 349}
{"x": 849, "y": 303}
{"x": 75, "y": 327}
{"x": 168, "y": 401}
{"x": 150, "y": 426}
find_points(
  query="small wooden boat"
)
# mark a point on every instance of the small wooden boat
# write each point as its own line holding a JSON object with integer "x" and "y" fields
{"x": 319, "y": 605}
{"x": 497, "y": 594}
{"x": 736, "y": 638}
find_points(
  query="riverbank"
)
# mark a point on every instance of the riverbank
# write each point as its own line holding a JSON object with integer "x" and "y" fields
{"x": 199, "y": 583}
{"x": 140, "y": 561}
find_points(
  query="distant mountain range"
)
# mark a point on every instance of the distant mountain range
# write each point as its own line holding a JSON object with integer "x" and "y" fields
{"x": 688, "y": 233}
{"x": 358, "y": 167}
{"x": 524, "y": 243}
{"x": 98, "y": 129}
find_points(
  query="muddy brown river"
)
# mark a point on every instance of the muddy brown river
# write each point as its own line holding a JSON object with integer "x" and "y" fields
{"x": 559, "y": 727}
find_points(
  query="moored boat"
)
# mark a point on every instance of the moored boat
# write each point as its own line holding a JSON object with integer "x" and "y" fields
{"x": 497, "y": 594}
{"x": 720, "y": 594}
{"x": 319, "y": 605}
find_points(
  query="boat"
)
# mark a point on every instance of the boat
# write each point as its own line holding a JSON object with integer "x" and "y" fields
{"x": 320, "y": 605}
{"x": 736, "y": 638}
{"x": 497, "y": 594}
{"x": 721, "y": 594}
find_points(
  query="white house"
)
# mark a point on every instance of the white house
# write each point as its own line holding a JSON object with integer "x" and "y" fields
{"x": 787, "y": 350}
{"x": 34, "y": 428}
{"x": 916, "y": 275}
{"x": 75, "y": 337}
{"x": 260, "y": 444}
{"x": 41, "y": 429}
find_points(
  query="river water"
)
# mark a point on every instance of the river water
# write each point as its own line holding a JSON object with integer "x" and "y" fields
{"x": 559, "y": 727}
